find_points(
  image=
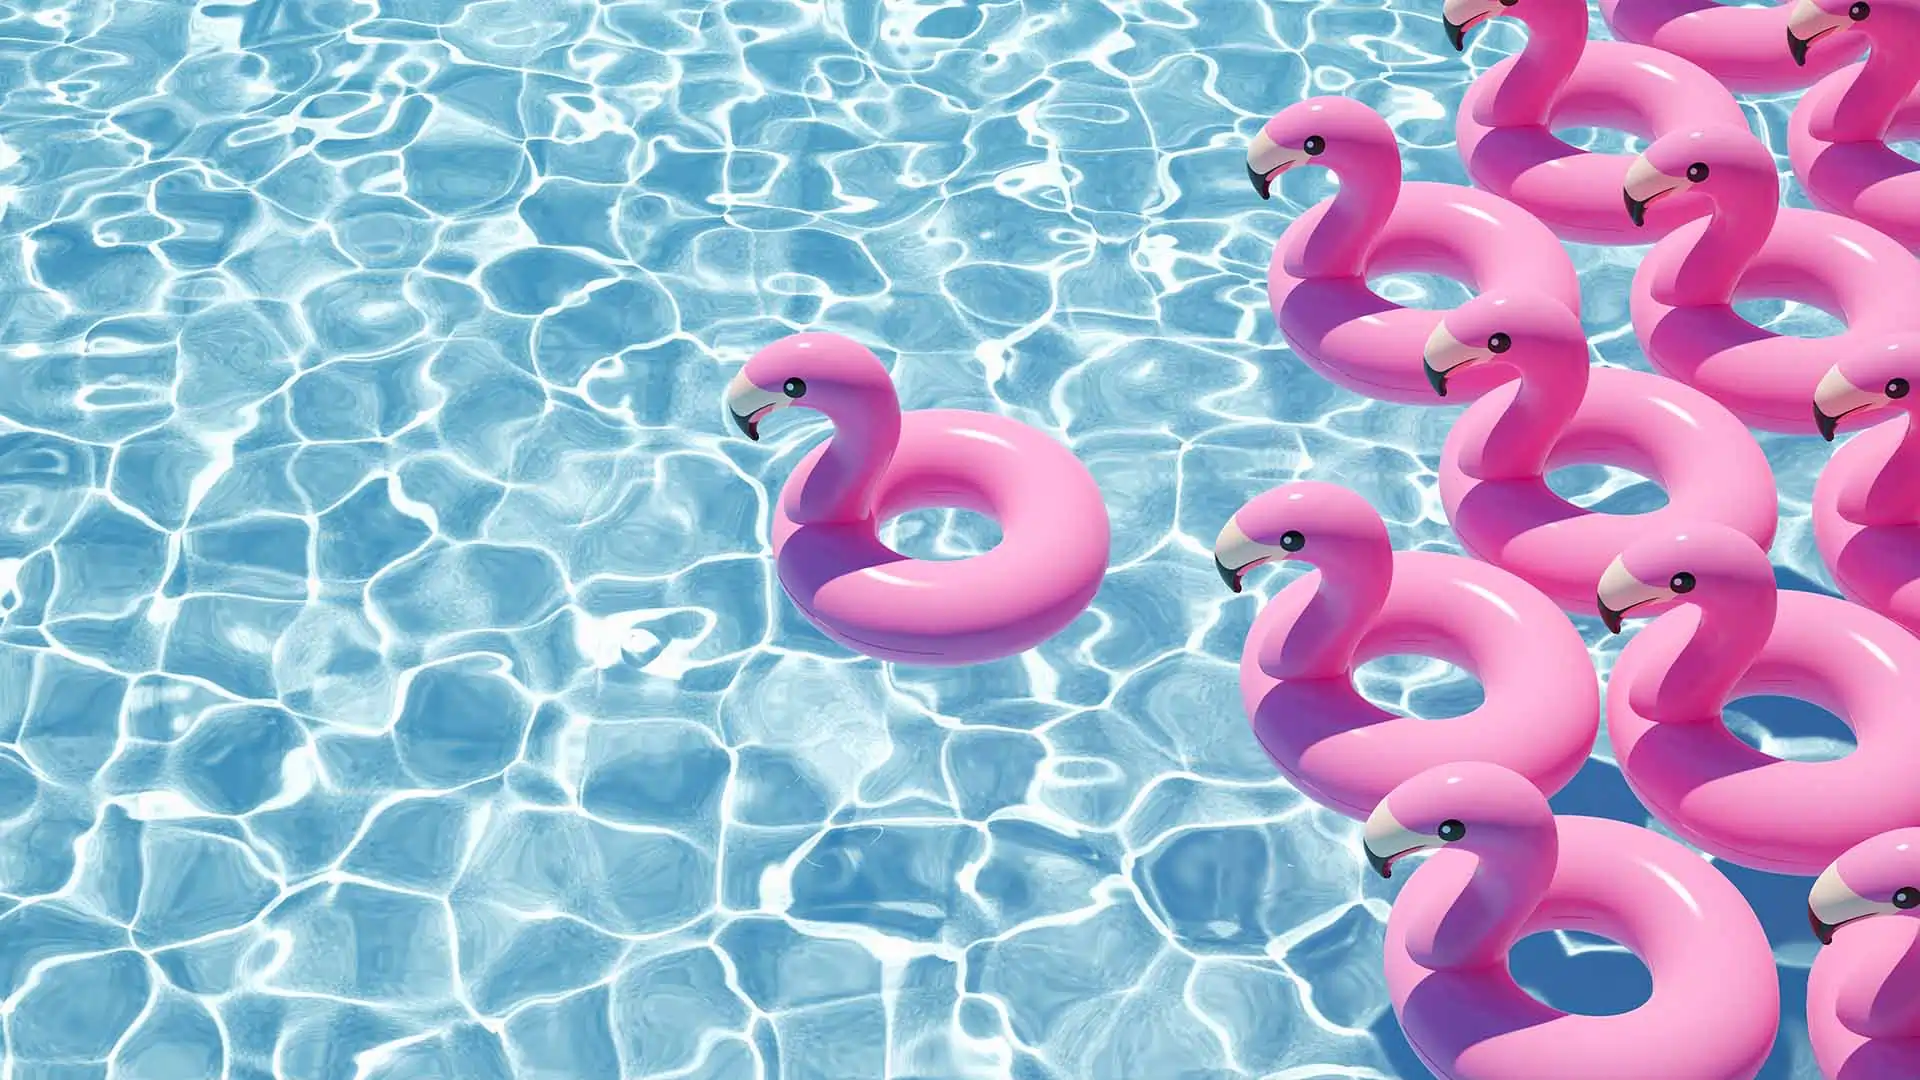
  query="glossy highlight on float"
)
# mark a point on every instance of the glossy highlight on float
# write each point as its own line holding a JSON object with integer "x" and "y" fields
{"x": 881, "y": 463}
{"x": 1564, "y": 411}
{"x": 1376, "y": 224}
{"x": 1504, "y": 866}
{"x": 1365, "y": 600}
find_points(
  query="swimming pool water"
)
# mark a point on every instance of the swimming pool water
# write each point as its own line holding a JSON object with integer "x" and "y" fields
{"x": 395, "y": 685}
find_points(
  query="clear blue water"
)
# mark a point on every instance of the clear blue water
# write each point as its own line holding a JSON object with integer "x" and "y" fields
{"x": 395, "y": 686}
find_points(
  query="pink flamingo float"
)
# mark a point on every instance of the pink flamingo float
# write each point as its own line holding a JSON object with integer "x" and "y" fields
{"x": 1365, "y": 600}
{"x": 1377, "y": 225}
{"x": 1563, "y": 411}
{"x": 1503, "y": 867}
{"x": 1506, "y": 122}
{"x": 1863, "y": 995}
{"x": 1742, "y": 46}
{"x": 1838, "y": 134}
{"x": 881, "y": 463}
{"x": 1866, "y": 504}
{"x": 1750, "y": 247}
{"x": 1728, "y": 630}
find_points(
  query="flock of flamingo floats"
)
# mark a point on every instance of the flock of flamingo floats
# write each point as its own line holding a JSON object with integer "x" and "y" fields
{"x": 1473, "y": 790}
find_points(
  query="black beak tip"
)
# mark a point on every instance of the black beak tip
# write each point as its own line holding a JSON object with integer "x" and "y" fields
{"x": 1227, "y": 574}
{"x": 1608, "y": 616}
{"x": 746, "y": 425}
{"x": 1381, "y": 864}
{"x": 1262, "y": 186}
{"x": 1456, "y": 35}
{"x": 1436, "y": 379}
{"x": 1798, "y": 48}
{"x": 1828, "y": 425}
{"x": 1636, "y": 210}
{"x": 1821, "y": 931}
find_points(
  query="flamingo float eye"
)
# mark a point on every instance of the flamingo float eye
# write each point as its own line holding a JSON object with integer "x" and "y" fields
{"x": 1499, "y": 343}
{"x": 1292, "y": 541}
{"x": 1314, "y": 146}
{"x": 1697, "y": 172}
{"x": 794, "y": 387}
{"x": 1897, "y": 388}
{"x": 1682, "y": 582}
{"x": 1906, "y": 899}
{"x": 1451, "y": 829}
{"x": 1859, "y": 12}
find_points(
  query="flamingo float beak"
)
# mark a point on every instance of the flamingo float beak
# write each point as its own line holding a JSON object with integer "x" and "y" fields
{"x": 1460, "y": 16}
{"x": 1267, "y": 159}
{"x": 1235, "y": 553}
{"x": 748, "y": 404}
{"x": 1646, "y": 185}
{"x": 1832, "y": 904}
{"x": 1835, "y": 399}
{"x": 1445, "y": 354}
{"x": 1386, "y": 841}
{"x": 1808, "y": 24}
{"x": 1621, "y": 592}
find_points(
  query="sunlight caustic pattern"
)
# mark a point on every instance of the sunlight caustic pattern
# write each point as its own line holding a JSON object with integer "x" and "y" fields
{"x": 392, "y": 681}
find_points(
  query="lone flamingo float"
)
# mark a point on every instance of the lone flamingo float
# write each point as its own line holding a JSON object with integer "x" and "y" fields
{"x": 1742, "y": 46}
{"x": 1365, "y": 600}
{"x": 881, "y": 463}
{"x": 1750, "y": 247}
{"x": 1564, "y": 411}
{"x": 1866, "y": 504}
{"x": 1560, "y": 80}
{"x": 1377, "y": 225}
{"x": 1728, "y": 630}
{"x": 1503, "y": 867}
{"x": 1837, "y": 138}
{"x": 1863, "y": 995}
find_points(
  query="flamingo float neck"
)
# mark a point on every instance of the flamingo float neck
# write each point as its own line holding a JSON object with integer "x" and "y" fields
{"x": 1745, "y": 196}
{"x": 1864, "y": 110}
{"x": 1369, "y": 175}
{"x": 1893, "y": 497}
{"x": 1355, "y": 574}
{"x": 865, "y": 411}
{"x": 1553, "y": 381}
{"x": 1556, "y": 39}
{"x": 1729, "y": 626}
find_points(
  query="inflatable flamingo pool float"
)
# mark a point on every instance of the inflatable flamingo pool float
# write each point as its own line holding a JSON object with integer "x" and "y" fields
{"x": 1837, "y": 137}
{"x": 1563, "y": 411}
{"x": 881, "y": 463}
{"x": 1728, "y": 630}
{"x": 1503, "y": 867}
{"x": 1866, "y": 505}
{"x": 1863, "y": 995}
{"x": 1742, "y": 46}
{"x": 1750, "y": 247}
{"x": 1377, "y": 225}
{"x": 1560, "y": 80}
{"x": 1365, "y": 600}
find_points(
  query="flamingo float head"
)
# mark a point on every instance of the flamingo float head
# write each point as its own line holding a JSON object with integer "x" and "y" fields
{"x": 1697, "y": 565}
{"x": 1879, "y": 876}
{"x": 1470, "y": 805}
{"x": 1305, "y": 520}
{"x": 1682, "y": 160}
{"x": 814, "y": 369}
{"x": 1326, "y": 131}
{"x": 1813, "y": 20}
{"x": 1460, "y": 16}
{"x": 1882, "y": 377}
{"x": 1501, "y": 327}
